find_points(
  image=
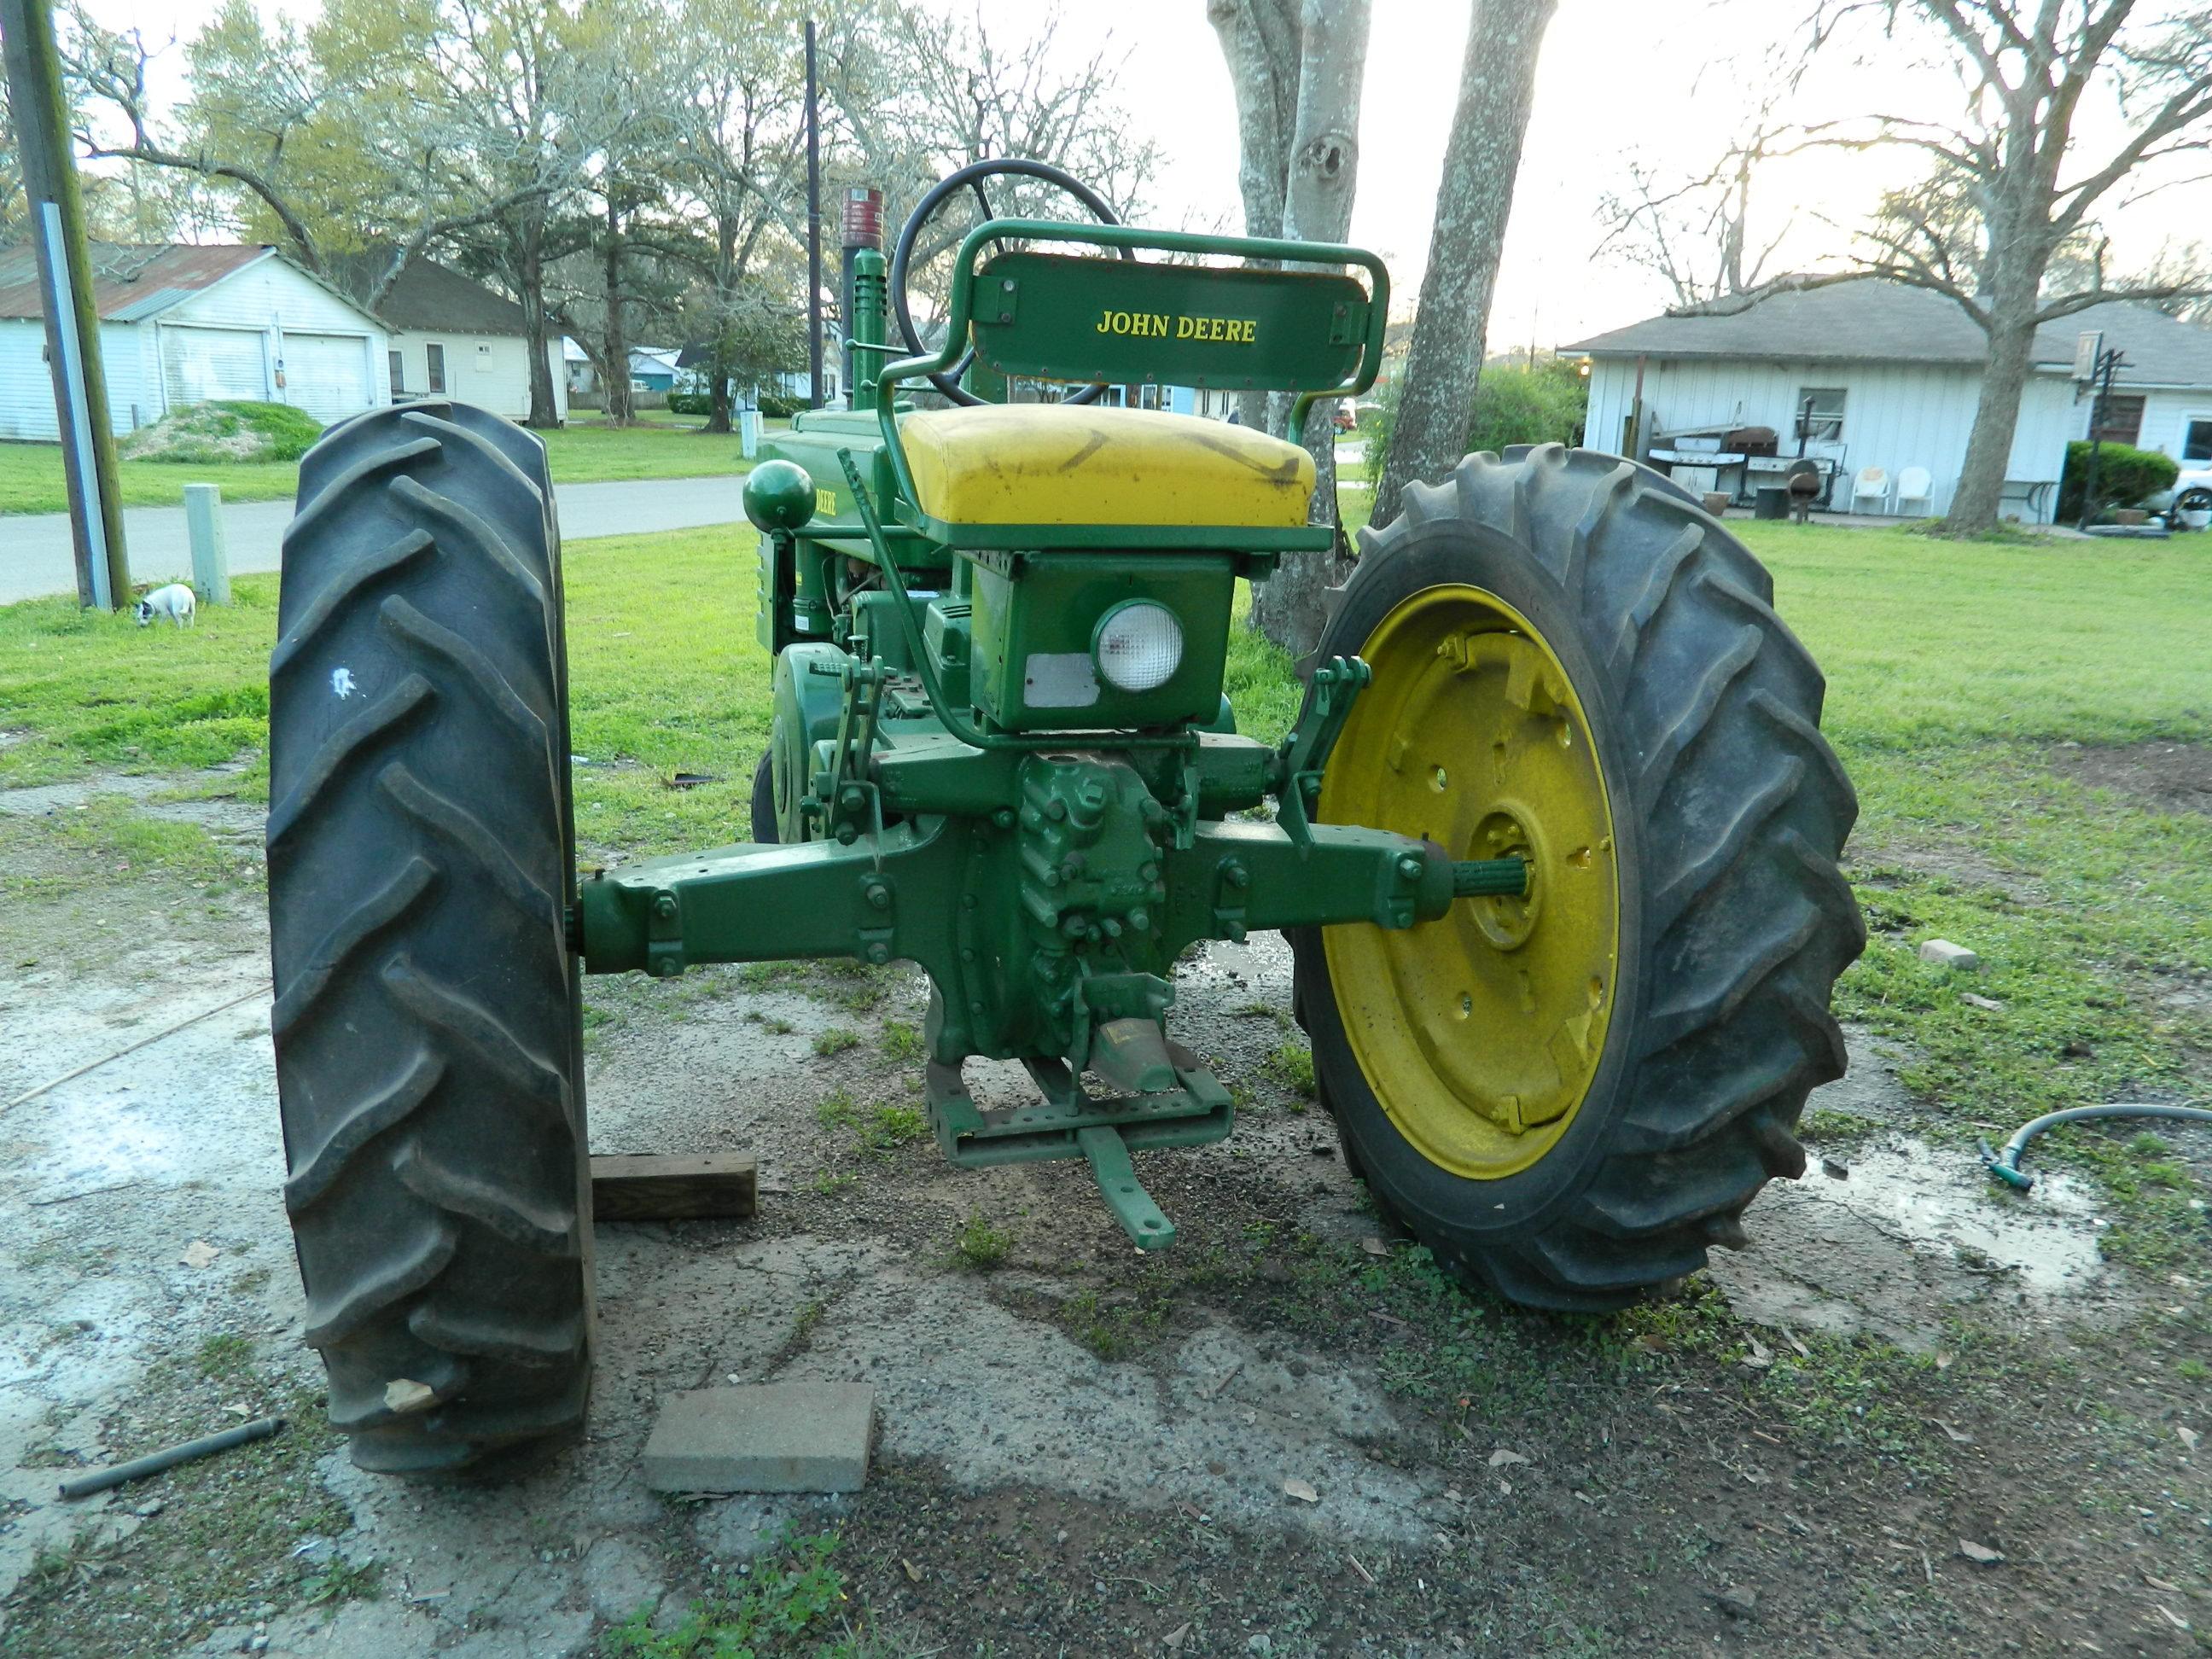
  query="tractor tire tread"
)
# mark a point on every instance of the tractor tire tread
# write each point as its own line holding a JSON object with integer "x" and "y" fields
{"x": 426, "y": 1032}
{"x": 1747, "y": 920}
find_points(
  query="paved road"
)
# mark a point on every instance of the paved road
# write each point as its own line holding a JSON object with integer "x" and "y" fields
{"x": 34, "y": 548}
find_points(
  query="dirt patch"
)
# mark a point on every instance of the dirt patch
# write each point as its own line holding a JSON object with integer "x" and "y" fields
{"x": 2169, "y": 777}
{"x": 1083, "y": 1450}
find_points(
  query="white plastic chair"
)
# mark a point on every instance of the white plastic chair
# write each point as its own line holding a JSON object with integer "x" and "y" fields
{"x": 1872, "y": 484}
{"x": 1914, "y": 484}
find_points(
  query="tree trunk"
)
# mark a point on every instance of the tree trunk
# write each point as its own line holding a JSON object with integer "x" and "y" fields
{"x": 1261, "y": 41}
{"x": 536, "y": 328}
{"x": 621, "y": 410}
{"x": 1324, "y": 177}
{"x": 721, "y": 413}
{"x": 1989, "y": 447}
{"x": 1436, "y": 399}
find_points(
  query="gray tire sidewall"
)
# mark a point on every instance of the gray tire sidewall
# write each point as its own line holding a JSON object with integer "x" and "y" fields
{"x": 1440, "y": 552}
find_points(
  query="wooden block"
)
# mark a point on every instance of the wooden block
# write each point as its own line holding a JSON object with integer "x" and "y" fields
{"x": 685, "y": 1186}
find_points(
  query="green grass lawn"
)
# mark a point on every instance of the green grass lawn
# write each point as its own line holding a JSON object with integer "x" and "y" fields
{"x": 31, "y": 474}
{"x": 1955, "y": 673}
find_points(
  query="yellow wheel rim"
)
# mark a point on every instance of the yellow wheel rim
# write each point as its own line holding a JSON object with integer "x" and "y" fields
{"x": 1480, "y": 1034}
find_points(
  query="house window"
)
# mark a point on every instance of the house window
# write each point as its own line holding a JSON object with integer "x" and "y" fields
{"x": 2121, "y": 422}
{"x": 484, "y": 357}
{"x": 437, "y": 355}
{"x": 1821, "y": 413}
{"x": 2197, "y": 439}
{"x": 399, "y": 380}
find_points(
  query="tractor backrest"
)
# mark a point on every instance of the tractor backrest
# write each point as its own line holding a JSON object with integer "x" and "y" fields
{"x": 1124, "y": 321}
{"x": 1058, "y": 316}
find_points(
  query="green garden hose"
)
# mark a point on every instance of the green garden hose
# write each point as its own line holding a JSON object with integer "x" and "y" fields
{"x": 2005, "y": 1165}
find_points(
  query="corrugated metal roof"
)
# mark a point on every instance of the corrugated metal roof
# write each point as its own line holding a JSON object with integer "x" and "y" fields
{"x": 1876, "y": 321}
{"x": 129, "y": 282}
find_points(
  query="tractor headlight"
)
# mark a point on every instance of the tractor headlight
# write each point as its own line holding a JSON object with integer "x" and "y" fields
{"x": 1138, "y": 646}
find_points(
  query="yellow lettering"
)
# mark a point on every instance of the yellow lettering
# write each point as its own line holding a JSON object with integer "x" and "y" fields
{"x": 1183, "y": 326}
{"x": 1105, "y": 318}
{"x": 1160, "y": 325}
{"x": 1250, "y": 335}
{"x": 825, "y": 503}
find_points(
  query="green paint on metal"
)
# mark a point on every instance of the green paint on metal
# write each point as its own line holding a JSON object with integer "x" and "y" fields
{"x": 779, "y": 496}
{"x": 1132, "y": 1206}
{"x": 1035, "y": 618}
{"x": 996, "y": 231}
{"x": 1056, "y": 317}
{"x": 971, "y": 776}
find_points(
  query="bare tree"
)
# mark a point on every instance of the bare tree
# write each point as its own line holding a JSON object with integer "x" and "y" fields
{"x": 1693, "y": 231}
{"x": 2004, "y": 223}
{"x": 1435, "y": 394}
{"x": 1297, "y": 67}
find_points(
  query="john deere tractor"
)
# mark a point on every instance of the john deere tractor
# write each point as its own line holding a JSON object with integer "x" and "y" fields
{"x": 1554, "y": 839}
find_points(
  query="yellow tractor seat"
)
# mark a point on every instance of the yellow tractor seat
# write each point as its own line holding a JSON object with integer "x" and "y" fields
{"x": 1051, "y": 464}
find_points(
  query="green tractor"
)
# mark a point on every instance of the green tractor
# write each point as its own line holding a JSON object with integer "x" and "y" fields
{"x": 1554, "y": 838}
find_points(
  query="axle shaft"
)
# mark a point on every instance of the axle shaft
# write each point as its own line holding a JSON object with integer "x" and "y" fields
{"x": 1490, "y": 878}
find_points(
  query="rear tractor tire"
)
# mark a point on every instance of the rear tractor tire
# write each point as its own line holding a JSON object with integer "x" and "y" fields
{"x": 1570, "y": 1096}
{"x": 420, "y": 863}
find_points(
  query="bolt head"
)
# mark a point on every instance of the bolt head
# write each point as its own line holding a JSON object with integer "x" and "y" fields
{"x": 1235, "y": 875}
{"x": 665, "y": 907}
{"x": 879, "y": 952}
{"x": 880, "y": 896}
{"x": 1410, "y": 867}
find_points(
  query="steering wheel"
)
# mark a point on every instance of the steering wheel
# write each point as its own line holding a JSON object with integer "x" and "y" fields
{"x": 971, "y": 177}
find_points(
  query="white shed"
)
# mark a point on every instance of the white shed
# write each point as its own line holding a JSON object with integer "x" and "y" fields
{"x": 180, "y": 324}
{"x": 1891, "y": 377}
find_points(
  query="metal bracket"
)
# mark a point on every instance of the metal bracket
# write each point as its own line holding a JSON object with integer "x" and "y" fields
{"x": 1069, "y": 1122}
{"x": 1301, "y": 757}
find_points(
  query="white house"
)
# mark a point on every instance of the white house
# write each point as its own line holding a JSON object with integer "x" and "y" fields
{"x": 453, "y": 336}
{"x": 1877, "y": 376}
{"x": 184, "y": 325}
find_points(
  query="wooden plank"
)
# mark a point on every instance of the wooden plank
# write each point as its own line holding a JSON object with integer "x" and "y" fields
{"x": 683, "y": 1187}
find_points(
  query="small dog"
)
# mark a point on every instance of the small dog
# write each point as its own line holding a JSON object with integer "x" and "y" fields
{"x": 175, "y": 602}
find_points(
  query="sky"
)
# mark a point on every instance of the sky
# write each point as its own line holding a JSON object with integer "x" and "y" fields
{"x": 1619, "y": 81}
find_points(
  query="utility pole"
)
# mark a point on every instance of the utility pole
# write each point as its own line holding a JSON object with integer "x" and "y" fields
{"x": 40, "y": 108}
{"x": 813, "y": 231}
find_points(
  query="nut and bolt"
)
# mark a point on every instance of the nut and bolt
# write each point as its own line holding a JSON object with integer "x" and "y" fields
{"x": 879, "y": 895}
{"x": 879, "y": 952}
{"x": 665, "y": 907}
{"x": 1410, "y": 867}
{"x": 1235, "y": 875}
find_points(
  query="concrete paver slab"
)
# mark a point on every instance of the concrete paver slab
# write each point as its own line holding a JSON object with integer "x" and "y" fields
{"x": 810, "y": 1436}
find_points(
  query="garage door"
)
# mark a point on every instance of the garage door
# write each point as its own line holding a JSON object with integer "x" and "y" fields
{"x": 201, "y": 364}
{"x": 326, "y": 374}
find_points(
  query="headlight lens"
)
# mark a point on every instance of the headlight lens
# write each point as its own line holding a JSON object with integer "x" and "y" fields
{"x": 1138, "y": 646}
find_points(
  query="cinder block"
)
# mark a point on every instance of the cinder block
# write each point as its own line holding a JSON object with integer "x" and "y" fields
{"x": 1941, "y": 953}
{"x": 779, "y": 1437}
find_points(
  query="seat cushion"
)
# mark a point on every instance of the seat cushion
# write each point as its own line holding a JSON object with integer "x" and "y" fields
{"x": 1050, "y": 463}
